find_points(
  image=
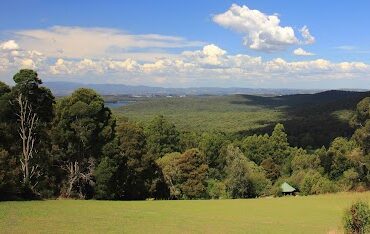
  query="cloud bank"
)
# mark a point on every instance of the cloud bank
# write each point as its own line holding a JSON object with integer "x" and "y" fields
{"x": 208, "y": 65}
{"x": 79, "y": 42}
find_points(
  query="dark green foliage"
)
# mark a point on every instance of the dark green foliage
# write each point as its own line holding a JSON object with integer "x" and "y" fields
{"x": 162, "y": 137}
{"x": 258, "y": 148}
{"x": 362, "y": 113}
{"x": 261, "y": 147}
{"x": 27, "y": 77}
{"x": 7, "y": 126}
{"x": 211, "y": 145}
{"x": 193, "y": 171}
{"x": 361, "y": 136}
{"x": 357, "y": 218}
{"x": 280, "y": 145}
{"x": 360, "y": 121}
{"x": 104, "y": 175}
{"x": 82, "y": 127}
{"x": 4, "y": 88}
{"x": 310, "y": 179}
{"x": 41, "y": 99}
{"x": 272, "y": 169}
{"x": 132, "y": 144}
{"x": 273, "y": 153}
{"x": 185, "y": 174}
{"x": 324, "y": 185}
{"x": 350, "y": 179}
{"x": 189, "y": 140}
{"x": 339, "y": 154}
{"x": 244, "y": 178}
{"x": 216, "y": 189}
{"x": 9, "y": 176}
{"x": 171, "y": 174}
{"x": 304, "y": 161}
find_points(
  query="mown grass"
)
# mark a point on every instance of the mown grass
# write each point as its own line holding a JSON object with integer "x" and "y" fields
{"x": 312, "y": 214}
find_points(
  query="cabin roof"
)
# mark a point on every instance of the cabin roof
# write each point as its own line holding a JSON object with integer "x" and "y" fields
{"x": 287, "y": 188}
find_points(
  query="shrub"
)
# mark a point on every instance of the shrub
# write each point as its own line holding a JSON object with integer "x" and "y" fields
{"x": 276, "y": 190}
{"x": 324, "y": 185}
{"x": 349, "y": 179}
{"x": 314, "y": 183}
{"x": 216, "y": 189}
{"x": 310, "y": 179}
{"x": 357, "y": 218}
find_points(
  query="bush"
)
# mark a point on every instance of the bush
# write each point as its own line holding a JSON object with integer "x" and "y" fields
{"x": 349, "y": 179}
{"x": 324, "y": 185}
{"x": 314, "y": 183}
{"x": 357, "y": 218}
{"x": 309, "y": 181}
{"x": 276, "y": 190}
{"x": 216, "y": 189}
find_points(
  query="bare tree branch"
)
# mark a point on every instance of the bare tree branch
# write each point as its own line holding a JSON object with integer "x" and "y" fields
{"x": 27, "y": 123}
{"x": 78, "y": 176}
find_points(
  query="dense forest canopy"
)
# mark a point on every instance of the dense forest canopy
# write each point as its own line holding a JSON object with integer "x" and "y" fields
{"x": 74, "y": 147}
{"x": 310, "y": 120}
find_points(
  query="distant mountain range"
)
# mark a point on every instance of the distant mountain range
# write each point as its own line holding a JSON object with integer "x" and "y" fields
{"x": 66, "y": 88}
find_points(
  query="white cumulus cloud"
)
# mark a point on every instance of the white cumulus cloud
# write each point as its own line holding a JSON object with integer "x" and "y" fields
{"x": 9, "y": 45}
{"x": 28, "y": 63}
{"x": 302, "y": 52}
{"x": 261, "y": 31}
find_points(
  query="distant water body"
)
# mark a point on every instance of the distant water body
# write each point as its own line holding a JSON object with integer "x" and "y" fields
{"x": 118, "y": 104}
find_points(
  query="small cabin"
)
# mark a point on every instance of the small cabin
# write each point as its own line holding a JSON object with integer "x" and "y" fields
{"x": 287, "y": 189}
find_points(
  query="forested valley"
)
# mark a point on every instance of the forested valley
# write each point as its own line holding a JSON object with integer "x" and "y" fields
{"x": 75, "y": 147}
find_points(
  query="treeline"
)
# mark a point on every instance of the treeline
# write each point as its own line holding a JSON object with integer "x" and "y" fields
{"x": 74, "y": 147}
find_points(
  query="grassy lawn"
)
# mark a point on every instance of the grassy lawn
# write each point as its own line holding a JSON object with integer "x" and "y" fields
{"x": 312, "y": 214}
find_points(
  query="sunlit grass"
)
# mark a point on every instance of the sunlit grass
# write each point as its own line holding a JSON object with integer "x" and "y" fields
{"x": 312, "y": 214}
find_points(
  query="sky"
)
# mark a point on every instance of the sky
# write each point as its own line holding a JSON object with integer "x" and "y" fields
{"x": 191, "y": 43}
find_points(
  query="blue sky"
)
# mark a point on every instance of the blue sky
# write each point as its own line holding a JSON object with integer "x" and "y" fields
{"x": 189, "y": 43}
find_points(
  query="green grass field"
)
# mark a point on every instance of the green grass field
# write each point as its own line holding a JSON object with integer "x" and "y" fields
{"x": 312, "y": 214}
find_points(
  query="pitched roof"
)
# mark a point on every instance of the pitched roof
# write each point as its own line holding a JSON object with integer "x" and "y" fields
{"x": 286, "y": 188}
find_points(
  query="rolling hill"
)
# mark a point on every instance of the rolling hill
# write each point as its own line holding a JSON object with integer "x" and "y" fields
{"x": 310, "y": 119}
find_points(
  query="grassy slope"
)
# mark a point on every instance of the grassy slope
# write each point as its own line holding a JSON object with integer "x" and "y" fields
{"x": 312, "y": 214}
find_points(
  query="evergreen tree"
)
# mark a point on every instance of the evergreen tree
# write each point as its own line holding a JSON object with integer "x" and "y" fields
{"x": 82, "y": 127}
